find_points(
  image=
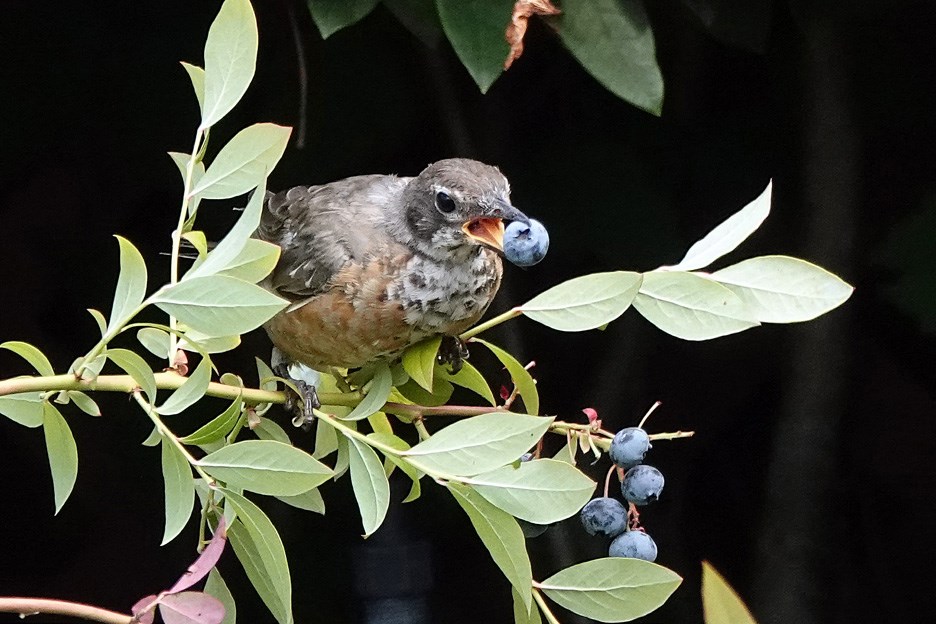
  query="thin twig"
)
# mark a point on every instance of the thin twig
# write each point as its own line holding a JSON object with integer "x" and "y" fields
{"x": 34, "y": 606}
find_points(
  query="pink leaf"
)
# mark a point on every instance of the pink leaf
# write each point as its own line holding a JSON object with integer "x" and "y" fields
{"x": 143, "y": 603}
{"x": 191, "y": 608}
{"x": 591, "y": 413}
{"x": 206, "y": 560}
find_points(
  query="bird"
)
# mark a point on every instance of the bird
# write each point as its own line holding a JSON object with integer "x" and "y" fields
{"x": 373, "y": 264}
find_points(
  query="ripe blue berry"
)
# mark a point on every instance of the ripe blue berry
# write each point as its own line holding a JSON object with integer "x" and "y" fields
{"x": 642, "y": 484}
{"x": 525, "y": 245}
{"x": 629, "y": 447}
{"x": 634, "y": 544}
{"x": 604, "y": 516}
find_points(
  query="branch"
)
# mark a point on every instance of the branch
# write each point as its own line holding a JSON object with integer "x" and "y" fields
{"x": 33, "y": 606}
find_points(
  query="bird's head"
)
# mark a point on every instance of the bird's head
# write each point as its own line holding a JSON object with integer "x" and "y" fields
{"x": 459, "y": 204}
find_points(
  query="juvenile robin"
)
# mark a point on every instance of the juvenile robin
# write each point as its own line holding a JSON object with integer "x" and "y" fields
{"x": 375, "y": 263}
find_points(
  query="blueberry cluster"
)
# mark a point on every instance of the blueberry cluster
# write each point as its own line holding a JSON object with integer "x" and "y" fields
{"x": 641, "y": 485}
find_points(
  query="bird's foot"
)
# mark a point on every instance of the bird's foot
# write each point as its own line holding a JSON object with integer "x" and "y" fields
{"x": 304, "y": 401}
{"x": 453, "y": 351}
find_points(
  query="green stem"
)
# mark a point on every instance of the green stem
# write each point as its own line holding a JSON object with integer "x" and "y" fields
{"x": 167, "y": 433}
{"x": 671, "y": 436}
{"x": 421, "y": 429}
{"x": 494, "y": 322}
{"x": 30, "y": 606}
{"x": 538, "y": 597}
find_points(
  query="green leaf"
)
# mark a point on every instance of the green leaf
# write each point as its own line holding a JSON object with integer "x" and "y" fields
{"x": 309, "y": 501}
{"x": 613, "y": 589}
{"x": 585, "y": 302}
{"x": 179, "y": 490}
{"x": 260, "y": 550}
{"x": 326, "y": 440}
{"x": 476, "y": 29}
{"x": 215, "y": 586}
{"x": 376, "y": 396}
{"x": 199, "y": 242}
{"x": 266, "y": 467}
{"x": 419, "y": 361}
{"x": 62, "y": 451}
{"x": 727, "y": 235}
{"x": 400, "y": 462}
{"x": 268, "y": 429}
{"x": 613, "y": 41}
{"x": 191, "y": 390}
{"x": 230, "y": 59}
{"x": 156, "y": 341}
{"x": 218, "y": 305}
{"x": 225, "y": 254}
{"x": 218, "y": 427}
{"x": 412, "y": 392}
{"x": 137, "y": 368}
{"x": 197, "y": 75}
{"x": 480, "y": 443}
{"x": 420, "y": 17}
{"x": 244, "y": 162}
{"x": 501, "y": 535}
{"x": 330, "y": 16}
{"x": 31, "y": 354}
{"x": 24, "y": 408}
{"x": 131, "y": 284}
{"x": 99, "y": 320}
{"x": 720, "y": 603}
{"x": 524, "y": 613}
{"x": 196, "y": 341}
{"x": 541, "y": 491}
{"x": 780, "y": 289}
{"x": 520, "y": 376}
{"x": 153, "y": 439}
{"x": 369, "y": 481}
{"x": 468, "y": 377}
{"x": 691, "y": 307}
{"x": 85, "y": 403}
{"x": 255, "y": 261}
{"x": 343, "y": 459}
{"x": 566, "y": 453}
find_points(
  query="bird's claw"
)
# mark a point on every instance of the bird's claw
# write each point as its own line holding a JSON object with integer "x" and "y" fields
{"x": 452, "y": 351}
{"x": 303, "y": 404}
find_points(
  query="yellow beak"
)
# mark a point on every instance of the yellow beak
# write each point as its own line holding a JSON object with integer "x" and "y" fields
{"x": 487, "y": 231}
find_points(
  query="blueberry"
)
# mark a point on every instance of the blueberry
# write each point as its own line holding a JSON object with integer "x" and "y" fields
{"x": 642, "y": 484}
{"x": 525, "y": 245}
{"x": 604, "y": 516}
{"x": 634, "y": 544}
{"x": 629, "y": 447}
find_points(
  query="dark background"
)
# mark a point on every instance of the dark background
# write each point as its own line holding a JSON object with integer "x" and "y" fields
{"x": 809, "y": 482}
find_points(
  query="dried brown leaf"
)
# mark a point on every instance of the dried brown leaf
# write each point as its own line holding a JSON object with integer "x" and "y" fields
{"x": 522, "y": 11}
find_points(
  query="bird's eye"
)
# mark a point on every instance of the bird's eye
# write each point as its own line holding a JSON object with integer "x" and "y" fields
{"x": 444, "y": 203}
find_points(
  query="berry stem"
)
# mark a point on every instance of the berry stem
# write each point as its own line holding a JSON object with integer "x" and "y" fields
{"x": 608, "y": 479}
{"x": 647, "y": 415}
{"x": 547, "y": 612}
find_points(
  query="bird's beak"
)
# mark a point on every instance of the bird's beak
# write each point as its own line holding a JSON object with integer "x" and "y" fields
{"x": 489, "y": 229}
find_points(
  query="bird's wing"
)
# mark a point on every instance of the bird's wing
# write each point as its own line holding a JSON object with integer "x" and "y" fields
{"x": 322, "y": 229}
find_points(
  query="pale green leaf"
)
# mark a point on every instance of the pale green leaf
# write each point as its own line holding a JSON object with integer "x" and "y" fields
{"x": 326, "y": 440}
{"x": 99, "y": 320}
{"x": 156, "y": 341}
{"x": 720, "y": 603}
{"x": 244, "y": 162}
{"x": 62, "y": 452}
{"x": 377, "y": 394}
{"x": 181, "y": 160}
{"x": 412, "y": 393}
{"x": 197, "y": 75}
{"x": 613, "y": 41}
{"x": 266, "y": 467}
{"x": 255, "y": 261}
{"x": 585, "y": 302}
{"x": 199, "y": 241}
{"x": 309, "y": 501}
{"x": 226, "y": 252}
{"x": 260, "y": 550}
{"x": 267, "y": 429}
{"x": 194, "y": 340}
{"x": 613, "y": 589}
{"x": 419, "y": 361}
{"x": 218, "y": 427}
{"x": 541, "y": 491}
{"x": 392, "y": 461}
{"x": 215, "y": 586}
{"x": 153, "y": 439}
{"x": 468, "y": 377}
{"x": 369, "y": 481}
{"x": 31, "y": 354}
{"x": 727, "y": 235}
{"x": 691, "y": 307}
{"x": 85, "y": 403}
{"x": 780, "y": 289}
{"x": 92, "y": 369}
{"x": 24, "y": 408}
{"x": 342, "y": 460}
{"x": 476, "y": 29}
{"x": 191, "y": 390}
{"x": 218, "y": 305}
{"x": 179, "y": 487}
{"x": 521, "y": 377}
{"x": 566, "y": 453}
{"x": 131, "y": 284}
{"x": 330, "y": 16}
{"x": 137, "y": 368}
{"x": 501, "y": 535}
{"x": 480, "y": 443}
{"x": 230, "y": 59}
{"x": 524, "y": 613}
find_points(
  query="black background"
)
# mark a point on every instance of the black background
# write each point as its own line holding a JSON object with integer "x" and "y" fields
{"x": 809, "y": 482}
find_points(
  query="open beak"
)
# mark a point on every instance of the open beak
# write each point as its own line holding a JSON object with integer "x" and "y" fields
{"x": 489, "y": 230}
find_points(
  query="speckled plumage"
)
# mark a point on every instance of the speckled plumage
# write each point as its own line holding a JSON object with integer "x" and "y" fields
{"x": 372, "y": 265}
